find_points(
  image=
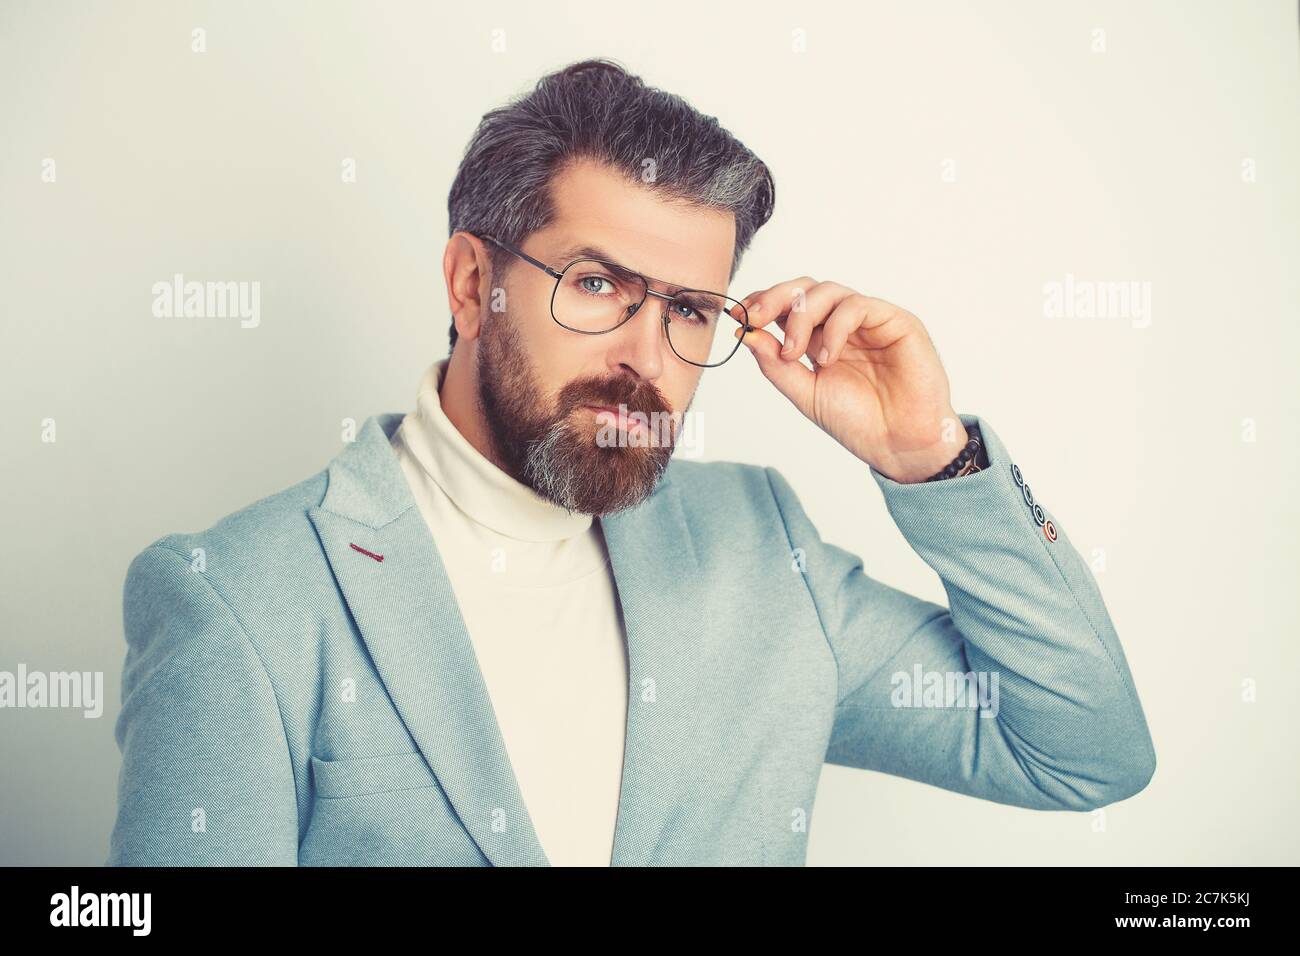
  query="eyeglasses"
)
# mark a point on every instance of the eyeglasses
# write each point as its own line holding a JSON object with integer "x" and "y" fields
{"x": 595, "y": 296}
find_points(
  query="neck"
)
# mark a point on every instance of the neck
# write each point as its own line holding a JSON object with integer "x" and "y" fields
{"x": 459, "y": 394}
{"x": 431, "y": 442}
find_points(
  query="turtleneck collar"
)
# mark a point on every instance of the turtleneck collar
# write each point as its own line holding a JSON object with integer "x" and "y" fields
{"x": 480, "y": 489}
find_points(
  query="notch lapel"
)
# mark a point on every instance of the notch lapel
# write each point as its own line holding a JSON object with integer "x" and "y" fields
{"x": 666, "y": 612}
{"x": 407, "y": 614}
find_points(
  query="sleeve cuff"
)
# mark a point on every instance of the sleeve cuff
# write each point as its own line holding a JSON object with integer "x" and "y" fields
{"x": 998, "y": 493}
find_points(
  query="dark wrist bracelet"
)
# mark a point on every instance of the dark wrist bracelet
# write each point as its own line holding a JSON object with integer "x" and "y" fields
{"x": 967, "y": 461}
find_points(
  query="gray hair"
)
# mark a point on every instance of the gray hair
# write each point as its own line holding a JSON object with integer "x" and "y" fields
{"x": 595, "y": 109}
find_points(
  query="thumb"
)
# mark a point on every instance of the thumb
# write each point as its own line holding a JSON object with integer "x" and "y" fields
{"x": 791, "y": 377}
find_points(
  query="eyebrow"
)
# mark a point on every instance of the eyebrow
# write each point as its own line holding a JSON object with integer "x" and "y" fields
{"x": 595, "y": 252}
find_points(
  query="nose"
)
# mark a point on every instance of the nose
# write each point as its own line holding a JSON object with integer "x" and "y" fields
{"x": 641, "y": 341}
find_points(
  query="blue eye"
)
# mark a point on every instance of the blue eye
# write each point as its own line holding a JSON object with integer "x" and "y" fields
{"x": 689, "y": 313}
{"x": 596, "y": 279}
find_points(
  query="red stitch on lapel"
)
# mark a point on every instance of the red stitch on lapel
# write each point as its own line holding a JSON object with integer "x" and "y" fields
{"x": 368, "y": 554}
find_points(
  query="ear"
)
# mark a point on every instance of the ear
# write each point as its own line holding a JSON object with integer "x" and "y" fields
{"x": 466, "y": 269}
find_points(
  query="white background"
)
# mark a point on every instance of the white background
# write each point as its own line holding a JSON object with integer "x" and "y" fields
{"x": 1117, "y": 165}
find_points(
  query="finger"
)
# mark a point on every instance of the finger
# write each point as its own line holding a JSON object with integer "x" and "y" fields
{"x": 837, "y": 328}
{"x": 794, "y": 380}
{"x": 770, "y": 304}
{"x": 807, "y": 312}
{"x": 744, "y": 310}
{"x": 882, "y": 323}
{"x": 751, "y": 312}
{"x": 815, "y": 345}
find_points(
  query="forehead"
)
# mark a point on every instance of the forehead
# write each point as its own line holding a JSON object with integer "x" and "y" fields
{"x": 597, "y": 208}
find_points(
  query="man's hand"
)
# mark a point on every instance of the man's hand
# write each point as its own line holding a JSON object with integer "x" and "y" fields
{"x": 876, "y": 385}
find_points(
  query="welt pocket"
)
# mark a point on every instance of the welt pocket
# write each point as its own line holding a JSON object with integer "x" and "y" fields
{"x": 360, "y": 776}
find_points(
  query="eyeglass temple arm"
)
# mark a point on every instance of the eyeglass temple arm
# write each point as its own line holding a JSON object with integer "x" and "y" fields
{"x": 523, "y": 255}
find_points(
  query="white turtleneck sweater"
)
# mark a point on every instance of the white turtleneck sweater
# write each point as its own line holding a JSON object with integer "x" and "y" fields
{"x": 538, "y": 597}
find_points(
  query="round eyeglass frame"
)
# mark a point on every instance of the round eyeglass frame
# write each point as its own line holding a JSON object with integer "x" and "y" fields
{"x": 645, "y": 282}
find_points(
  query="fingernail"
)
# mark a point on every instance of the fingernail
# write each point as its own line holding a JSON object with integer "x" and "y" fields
{"x": 823, "y": 355}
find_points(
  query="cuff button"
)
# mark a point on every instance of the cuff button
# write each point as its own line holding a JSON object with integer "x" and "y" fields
{"x": 1015, "y": 473}
{"x": 1029, "y": 495}
{"x": 1049, "y": 529}
{"x": 1040, "y": 516}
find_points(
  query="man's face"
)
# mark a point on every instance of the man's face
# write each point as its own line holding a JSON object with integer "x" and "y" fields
{"x": 542, "y": 387}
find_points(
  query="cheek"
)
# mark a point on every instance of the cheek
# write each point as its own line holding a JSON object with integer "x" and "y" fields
{"x": 549, "y": 349}
{"x": 561, "y": 357}
{"x": 679, "y": 387}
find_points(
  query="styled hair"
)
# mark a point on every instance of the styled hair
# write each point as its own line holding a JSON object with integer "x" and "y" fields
{"x": 595, "y": 109}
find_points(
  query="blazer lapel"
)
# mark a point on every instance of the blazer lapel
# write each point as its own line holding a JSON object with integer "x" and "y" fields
{"x": 666, "y": 609}
{"x": 406, "y": 611}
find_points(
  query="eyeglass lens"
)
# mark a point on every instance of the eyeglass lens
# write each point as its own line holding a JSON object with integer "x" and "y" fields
{"x": 596, "y": 296}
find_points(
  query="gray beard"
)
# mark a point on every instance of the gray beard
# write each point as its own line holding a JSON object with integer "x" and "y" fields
{"x": 556, "y": 458}
{"x": 557, "y": 477}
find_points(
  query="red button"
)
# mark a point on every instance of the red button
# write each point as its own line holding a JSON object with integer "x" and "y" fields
{"x": 1049, "y": 529}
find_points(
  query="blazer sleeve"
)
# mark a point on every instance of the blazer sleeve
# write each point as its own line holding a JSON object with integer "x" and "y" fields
{"x": 1063, "y": 731}
{"x": 206, "y": 775}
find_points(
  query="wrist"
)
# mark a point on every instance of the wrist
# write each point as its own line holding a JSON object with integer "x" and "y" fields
{"x": 921, "y": 465}
{"x": 969, "y": 460}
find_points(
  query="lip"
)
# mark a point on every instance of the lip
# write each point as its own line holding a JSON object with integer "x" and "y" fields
{"x": 622, "y": 422}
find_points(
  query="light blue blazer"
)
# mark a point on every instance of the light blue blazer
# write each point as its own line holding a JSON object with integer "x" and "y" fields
{"x": 288, "y": 699}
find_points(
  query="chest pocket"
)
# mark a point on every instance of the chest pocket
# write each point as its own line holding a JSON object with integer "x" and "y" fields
{"x": 363, "y": 776}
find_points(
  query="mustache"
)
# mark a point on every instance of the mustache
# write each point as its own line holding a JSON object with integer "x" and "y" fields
{"x": 635, "y": 396}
